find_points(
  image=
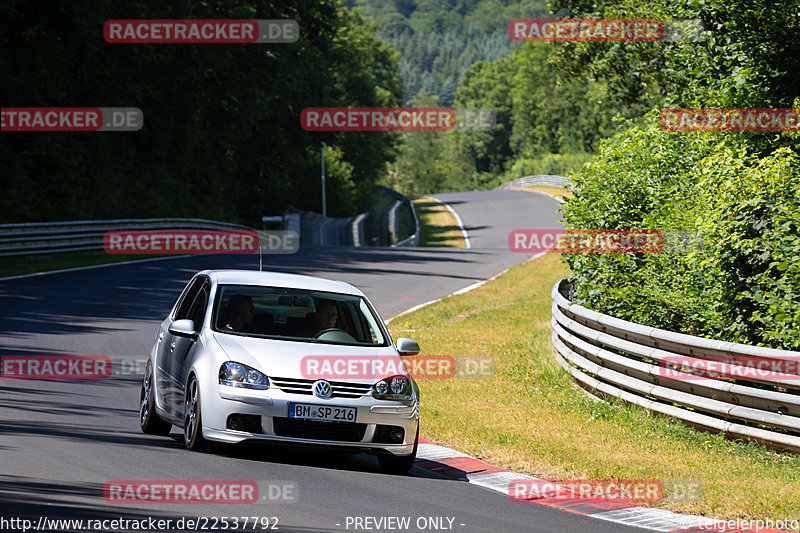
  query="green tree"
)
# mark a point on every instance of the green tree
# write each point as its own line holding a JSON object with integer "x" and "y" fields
{"x": 221, "y": 136}
{"x": 740, "y": 190}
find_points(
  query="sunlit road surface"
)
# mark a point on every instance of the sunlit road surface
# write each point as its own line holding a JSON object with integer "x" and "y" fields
{"x": 62, "y": 441}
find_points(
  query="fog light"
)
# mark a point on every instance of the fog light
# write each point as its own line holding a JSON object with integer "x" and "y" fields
{"x": 396, "y": 435}
{"x": 235, "y": 423}
{"x": 242, "y": 422}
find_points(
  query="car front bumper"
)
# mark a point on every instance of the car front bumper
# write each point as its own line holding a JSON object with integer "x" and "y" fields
{"x": 218, "y": 402}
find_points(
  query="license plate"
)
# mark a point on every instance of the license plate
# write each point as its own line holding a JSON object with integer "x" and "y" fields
{"x": 327, "y": 413}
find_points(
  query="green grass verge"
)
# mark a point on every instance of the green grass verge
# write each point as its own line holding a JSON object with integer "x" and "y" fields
{"x": 531, "y": 418}
{"x": 437, "y": 226}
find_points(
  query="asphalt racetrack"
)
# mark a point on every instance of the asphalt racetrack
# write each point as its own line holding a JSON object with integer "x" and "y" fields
{"x": 62, "y": 441}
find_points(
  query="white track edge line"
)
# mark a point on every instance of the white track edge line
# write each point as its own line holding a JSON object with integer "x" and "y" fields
{"x": 461, "y": 291}
{"x": 458, "y": 221}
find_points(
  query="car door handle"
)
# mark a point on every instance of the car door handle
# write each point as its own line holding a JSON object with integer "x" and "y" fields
{"x": 172, "y": 347}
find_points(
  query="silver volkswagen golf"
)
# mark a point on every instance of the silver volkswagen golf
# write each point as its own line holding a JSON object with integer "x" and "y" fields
{"x": 248, "y": 355}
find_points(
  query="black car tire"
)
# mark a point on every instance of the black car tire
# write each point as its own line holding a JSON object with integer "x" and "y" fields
{"x": 149, "y": 420}
{"x": 392, "y": 464}
{"x": 192, "y": 421}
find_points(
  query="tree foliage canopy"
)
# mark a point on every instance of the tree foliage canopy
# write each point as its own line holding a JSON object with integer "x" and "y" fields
{"x": 221, "y": 136}
{"x": 739, "y": 191}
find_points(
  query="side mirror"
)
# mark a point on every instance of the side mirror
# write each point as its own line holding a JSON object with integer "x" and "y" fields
{"x": 184, "y": 328}
{"x": 407, "y": 346}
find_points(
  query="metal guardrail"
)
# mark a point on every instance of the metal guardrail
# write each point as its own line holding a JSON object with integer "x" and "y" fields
{"x": 413, "y": 240}
{"x": 612, "y": 357}
{"x": 56, "y": 237}
{"x": 545, "y": 180}
{"x": 372, "y": 228}
{"x": 317, "y": 229}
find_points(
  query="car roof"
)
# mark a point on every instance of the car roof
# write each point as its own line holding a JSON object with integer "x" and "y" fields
{"x": 279, "y": 279}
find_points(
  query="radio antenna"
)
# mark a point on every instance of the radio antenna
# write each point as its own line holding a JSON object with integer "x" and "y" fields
{"x": 260, "y": 255}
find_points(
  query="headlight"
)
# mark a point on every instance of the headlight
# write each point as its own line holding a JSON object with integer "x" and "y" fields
{"x": 394, "y": 388}
{"x": 239, "y": 375}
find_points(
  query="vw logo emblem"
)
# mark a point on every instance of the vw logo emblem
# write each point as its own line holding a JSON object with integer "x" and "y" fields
{"x": 322, "y": 389}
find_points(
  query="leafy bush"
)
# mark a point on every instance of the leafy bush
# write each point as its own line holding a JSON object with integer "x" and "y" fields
{"x": 753, "y": 222}
{"x": 740, "y": 190}
{"x": 744, "y": 285}
{"x": 643, "y": 178}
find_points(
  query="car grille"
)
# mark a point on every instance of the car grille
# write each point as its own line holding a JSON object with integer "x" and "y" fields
{"x": 310, "y": 429}
{"x": 341, "y": 389}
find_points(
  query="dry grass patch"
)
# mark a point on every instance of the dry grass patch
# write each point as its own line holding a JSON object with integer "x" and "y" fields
{"x": 552, "y": 191}
{"x": 438, "y": 226}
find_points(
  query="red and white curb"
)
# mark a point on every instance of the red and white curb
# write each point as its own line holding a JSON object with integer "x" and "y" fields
{"x": 456, "y": 465}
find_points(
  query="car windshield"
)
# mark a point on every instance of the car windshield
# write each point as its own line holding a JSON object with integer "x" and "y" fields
{"x": 296, "y": 314}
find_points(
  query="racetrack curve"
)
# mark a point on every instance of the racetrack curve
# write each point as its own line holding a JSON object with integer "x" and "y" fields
{"x": 61, "y": 441}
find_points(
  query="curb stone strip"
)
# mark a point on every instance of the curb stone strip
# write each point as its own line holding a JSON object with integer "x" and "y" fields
{"x": 656, "y": 519}
{"x": 456, "y": 465}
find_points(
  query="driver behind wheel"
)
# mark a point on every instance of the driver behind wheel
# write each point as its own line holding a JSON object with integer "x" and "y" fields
{"x": 326, "y": 315}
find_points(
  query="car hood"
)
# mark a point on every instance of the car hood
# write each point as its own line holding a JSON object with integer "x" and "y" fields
{"x": 307, "y": 360}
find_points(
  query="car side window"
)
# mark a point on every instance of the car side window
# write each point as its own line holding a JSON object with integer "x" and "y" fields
{"x": 197, "y": 311}
{"x": 188, "y": 297}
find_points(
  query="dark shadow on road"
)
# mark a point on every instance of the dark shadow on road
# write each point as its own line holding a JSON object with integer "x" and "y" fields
{"x": 307, "y": 456}
{"x": 105, "y": 300}
{"x": 82, "y": 433}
